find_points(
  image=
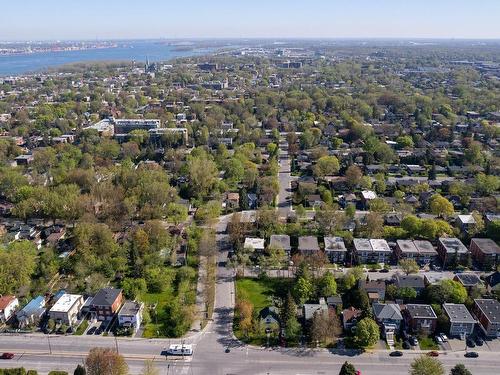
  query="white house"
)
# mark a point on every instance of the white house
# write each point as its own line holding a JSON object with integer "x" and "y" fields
{"x": 130, "y": 315}
{"x": 66, "y": 309}
{"x": 8, "y": 305}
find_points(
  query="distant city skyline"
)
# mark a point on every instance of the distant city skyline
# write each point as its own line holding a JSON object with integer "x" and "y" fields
{"x": 152, "y": 19}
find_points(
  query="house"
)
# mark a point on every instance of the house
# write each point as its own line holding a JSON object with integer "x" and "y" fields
{"x": 269, "y": 316}
{"x": 487, "y": 312}
{"x": 254, "y": 243}
{"x": 466, "y": 222}
{"x": 335, "y": 249}
{"x": 493, "y": 281}
{"x": 461, "y": 321}
{"x": 309, "y": 309}
{"x": 366, "y": 197}
{"x": 406, "y": 249}
{"x": 468, "y": 279}
{"x": 426, "y": 252}
{"x": 8, "y": 306}
{"x": 421, "y": 318}
{"x": 374, "y": 288}
{"x": 363, "y": 249}
{"x": 410, "y": 281}
{"x": 334, "y": 302}
{"x": 485, "y": 252}
{"x": 232, "y": 201}
{"x": 381, "y": 251}
{"x": 106, "y": 303}
{"x": 389, "y": 317}
{"x": 451, "y": 247}
{"x": 308, "y": 245}
{"x": 66, "y": 309}
{"x": 350, "y": 317}
{"x": 280, "y": 241}
{"x": 130, "y": 315}
{"x": 32, "y": 313}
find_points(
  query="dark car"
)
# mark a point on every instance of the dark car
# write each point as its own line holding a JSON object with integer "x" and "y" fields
{"x": 470, "y": 343}
{"x": 471, "y": 355}
{"x": 479, "y": 341}
{"x": 99, "y": 331}
{"x": 396, "y": 353}
{"x": 384, "y": 270}
{"x": 406, "y": 345}
{"x": 433, "y": 354}
{"x": 7, "y": 356}
{"x": 91, "y": 331}
{"x": 413, "y": 341}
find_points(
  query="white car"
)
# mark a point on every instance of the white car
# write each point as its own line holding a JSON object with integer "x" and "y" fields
{"x": 439, "y": 340}
{"x": 443, "y": 337}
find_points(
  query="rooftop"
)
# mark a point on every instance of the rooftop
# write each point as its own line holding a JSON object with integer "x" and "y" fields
{"x": 458, "y": 313}
{"x": 334, "y": 244}
{"x": 487, "y": 245}
{"x": 130, "y": 308}
{"x": 308, "y": 243}
{"x": 407, "y": 246}
{"x": 453, "y": 245}
{"x": 380, "y": 245}
{"x": 281, "y": 241}
{"x": 362, "y": 244}
{"x": 424, "y": 247}
{"x": 421, "y": 311}
{"x": 66, "y": 302}
{"x": 106, "y": 297}
{"x": 490, "y": 308}
{"x": 5, "y": 301}
{"x": 387, "y": 311}
{"x": 468, "y": 279}
{"x": 254, "y": 243}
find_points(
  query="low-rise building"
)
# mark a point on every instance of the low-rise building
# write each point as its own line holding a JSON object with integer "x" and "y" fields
{"x": 468, "y": 279}
{"x": 308, "y": 245}
{"x": 32, "y": 313}
{"x": 381, "y": 250}
{"x": 487, "y": 312}
{"x": 461, "y": 321}
{"x": 374, "y": 288}
{"x": 410, "y": 281}
{"x": 421, "y": 318}
{"x": 335, "y": 249}
{"x": 406, "y": 250}
{"x": 485, "y": 252}
{"x": 426, "y": 252}
{"x": 451, "y": 247}
{"x": 130, "y": 315}
{"x": 389, "y": 317}
{"x": 254, "y": 243}
{"x": 350, "y": 317}
{"x": 280, "y": 241}
{"x": 66, "y": 309}
{"x": 309, "y": 309}
{"x": 8, "y": 306}
{"x": 106, "y": 303}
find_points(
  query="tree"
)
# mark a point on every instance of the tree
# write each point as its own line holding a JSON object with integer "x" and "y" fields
{"x": 303, "y": 289}
{"x": 327, "y": 285}
{"x": 374, "y": 227}
{"x": 367, "y": 333}
{"x": 325, "y": 327}
{"x": 460, "y": 369}
{"x": 80, "y": 370}
{"x": 244, "y": 310}
{"x": 326, "y": 166}
{"x": 447, "y": 291}
{"x": 406, "y": 294}
{"x": 17, "y": 265}
{"x": 353, "y": 175}
{"x": 409, "y": 266}
{"x": 425, "y": 365}
{"x": 202, "y": 173}
{"x": 347, "y": 369}
{"x": 441, "y": 206}
{"x": 105, "y": 361}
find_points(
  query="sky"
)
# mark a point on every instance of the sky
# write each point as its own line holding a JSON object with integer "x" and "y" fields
{"x": 138, "y": 19}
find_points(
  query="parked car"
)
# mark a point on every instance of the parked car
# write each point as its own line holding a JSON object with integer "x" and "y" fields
{"x": 396, "y": 353}
{"x": 443, "y": 337}
{"x": 439, "y": 340}
{"x": 479, "y": 341}
{"x": 99, "y": 331}
{"x": 413, "y": 341}
{"x": 406, "y": 345}
{"x": 433, "y": 354}
{"x": 384, "y": 270}
{"x": 91, "y": 331}
{"x": 470, "y": 343}
{"x": 7, "y": 356}
{"x": 471, "y": 355}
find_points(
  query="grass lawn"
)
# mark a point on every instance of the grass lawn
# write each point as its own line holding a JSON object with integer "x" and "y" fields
{"x": 160, "y": 299}
{"x": 259, "y": 292}
{"x": 427, "y": 343}
{"x": 82, "y": 327}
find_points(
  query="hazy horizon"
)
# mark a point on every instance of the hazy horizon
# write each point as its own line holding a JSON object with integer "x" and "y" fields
{"x": 225, "y": 19}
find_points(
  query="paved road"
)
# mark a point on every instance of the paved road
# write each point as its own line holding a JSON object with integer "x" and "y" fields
{"x": 285, "y": 179}
{"x": 65, "y": 352}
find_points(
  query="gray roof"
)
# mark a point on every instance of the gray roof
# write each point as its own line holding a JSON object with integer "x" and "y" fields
{"x": 281, "y": 241}
{"x": 407, "y": 246}
{"x": 362, "y": 244}
{"x": 311, "y": 308}
{"x": 106, "y": 297}
{"x": 130, "y": 308}
{"x": 410, "y": 281}
{"x": 453, "y": 245}
{"x": 468, "y": 279}
{"x": 421, "y": 311}
{"x": 424, "y": 247}
{"x": 334, "y": 244}
{"x": 487, "y": 245}
{"x": 308, "y": 243}
{"x": 387, "y": 311}
{"x": 458, "y": 313}
{"x": 490, "y": 308}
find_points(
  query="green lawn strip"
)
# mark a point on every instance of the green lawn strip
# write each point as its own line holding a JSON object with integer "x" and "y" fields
{"x": 427, "y": 343}
{"x": 82, "y": 327}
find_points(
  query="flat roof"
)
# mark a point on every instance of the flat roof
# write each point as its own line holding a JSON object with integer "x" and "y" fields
{"x": 457, "y": 312}
{"x": 424, "y": 247}
{"x": 490, "y": 308}
{"x": 130, "y": 308}
{"x": 407, "y": 246}
{"x": 453, "y": 245}
{"x": 334, "y": 244}
{"x": 254, "y": 243}
{"x": 362, "y": 244}
{"x": 281, "y": 241}
{"x": 66, "y": 302}
{"x": 308, "y": 243}
{"x": 379, "y": 244}
{"x": 421, "y": 311}
{"x": 487, "y": 245}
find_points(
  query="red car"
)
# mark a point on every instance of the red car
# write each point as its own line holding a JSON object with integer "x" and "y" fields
{"x": 7, "y": 356}
{"x": 433, "y": 354}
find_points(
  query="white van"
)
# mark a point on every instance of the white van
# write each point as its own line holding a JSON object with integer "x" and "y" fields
{"x": 177, "y": 349}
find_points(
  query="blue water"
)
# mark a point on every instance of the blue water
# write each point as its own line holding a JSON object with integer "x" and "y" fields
{"x": 125, "y": 51}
